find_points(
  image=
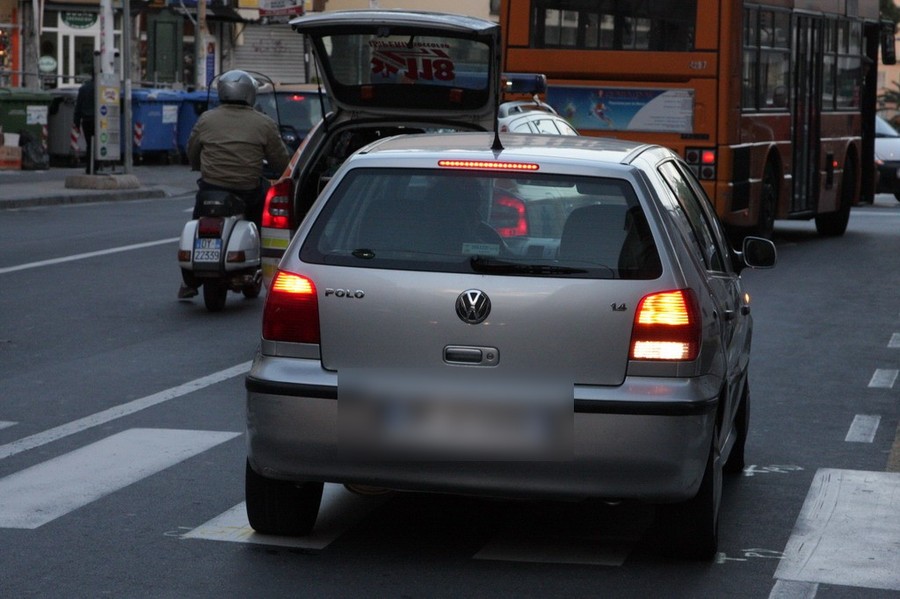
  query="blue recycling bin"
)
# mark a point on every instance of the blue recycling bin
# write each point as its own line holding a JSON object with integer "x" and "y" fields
{"x": 193, "y": 104}
{"x": 154, "y": 115}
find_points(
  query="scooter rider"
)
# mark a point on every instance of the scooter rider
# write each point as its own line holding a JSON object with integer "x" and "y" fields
{"x": 228, "y": 144}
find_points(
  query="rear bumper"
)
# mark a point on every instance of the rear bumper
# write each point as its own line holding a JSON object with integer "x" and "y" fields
{"x": 647, "y": 439}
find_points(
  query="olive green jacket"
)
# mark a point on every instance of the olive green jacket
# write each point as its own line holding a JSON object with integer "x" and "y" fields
{"x": 228, "y": 145}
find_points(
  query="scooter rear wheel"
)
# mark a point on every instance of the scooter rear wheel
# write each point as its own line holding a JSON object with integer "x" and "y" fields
{"x": 214, "y": 295}
{"x": 252, "y": 290}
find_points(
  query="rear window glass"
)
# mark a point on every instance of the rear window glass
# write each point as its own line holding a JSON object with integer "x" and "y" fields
{"x": 484, "y": 222}
{"x": 298, "y": 109}
{"x": 408, "y": 70}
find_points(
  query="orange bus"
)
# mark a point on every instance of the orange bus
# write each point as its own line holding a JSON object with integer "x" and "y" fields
{"x": 771, "y": 102}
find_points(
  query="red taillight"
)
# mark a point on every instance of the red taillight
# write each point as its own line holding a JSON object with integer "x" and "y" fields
{"x": 292, "y": 309}
{"x": 210, "y": 226}
{"x": 277, "y": 211}
{"x": 666, "y": 327}
{"x": 509, "y": 217}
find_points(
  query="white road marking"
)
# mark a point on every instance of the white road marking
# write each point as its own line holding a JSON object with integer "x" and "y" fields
{"x": 340, "y": 510}
{"x": 884, "y": 378}
{"x": 76, "y": 426}
{"x": 791, "y": 589}
{"x": 6, "y": 424}
{"x": 895, "y": 341}
{"x": 37, "y": 495}
{"x": 73, "y": 257}
{"x": 847, "y": 532}
{"x": 863, "y": 428}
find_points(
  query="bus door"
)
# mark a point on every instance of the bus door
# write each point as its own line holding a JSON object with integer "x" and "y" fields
{"x": 807, "y": 57}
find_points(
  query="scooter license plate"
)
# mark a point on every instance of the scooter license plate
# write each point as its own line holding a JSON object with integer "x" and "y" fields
{"x": 207, "y": 250}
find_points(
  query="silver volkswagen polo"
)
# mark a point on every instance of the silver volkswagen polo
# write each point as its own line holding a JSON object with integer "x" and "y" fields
{"x": 523, "y": 316}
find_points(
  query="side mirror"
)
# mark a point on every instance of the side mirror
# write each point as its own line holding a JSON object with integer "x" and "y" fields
{"x": 757, "y": 252}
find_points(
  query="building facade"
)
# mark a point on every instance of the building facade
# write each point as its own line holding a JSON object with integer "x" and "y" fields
{"x": 49, "y": 44}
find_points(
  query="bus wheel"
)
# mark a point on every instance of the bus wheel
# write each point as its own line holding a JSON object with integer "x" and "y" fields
{"x": 768, "y": 202}
{"x": 834, "y": 224}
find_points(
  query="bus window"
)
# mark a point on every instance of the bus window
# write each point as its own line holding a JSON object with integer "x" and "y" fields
{"x": 664, "y": 25}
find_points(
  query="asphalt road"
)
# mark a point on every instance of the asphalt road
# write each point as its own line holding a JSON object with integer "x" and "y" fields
{"x": 122, "y": 456}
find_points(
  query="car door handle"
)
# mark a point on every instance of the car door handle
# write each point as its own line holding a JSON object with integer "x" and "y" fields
{"x": 729, "y": 315}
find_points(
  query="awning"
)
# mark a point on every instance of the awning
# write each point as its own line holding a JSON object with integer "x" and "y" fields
{"x": 213, "y": 13}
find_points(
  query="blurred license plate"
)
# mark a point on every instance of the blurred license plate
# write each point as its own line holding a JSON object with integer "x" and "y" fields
{"x": 409, "y": 415}
{"x": 207, "y": 250}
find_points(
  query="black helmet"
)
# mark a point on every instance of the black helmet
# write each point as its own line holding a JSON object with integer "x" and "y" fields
{"x": 237, "y": 87}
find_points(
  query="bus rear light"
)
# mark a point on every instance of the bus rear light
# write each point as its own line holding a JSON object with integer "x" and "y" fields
{"x": 277, "y": 209}
{"x": 702, "y": 161}
{"x": 666, "y": 327}
{"x": 292, "y": 310}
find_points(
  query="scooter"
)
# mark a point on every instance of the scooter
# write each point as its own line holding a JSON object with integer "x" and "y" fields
{"x": 220, "y": 249}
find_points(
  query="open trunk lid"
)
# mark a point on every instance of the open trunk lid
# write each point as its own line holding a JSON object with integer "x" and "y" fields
{"x": 378, "y": 63}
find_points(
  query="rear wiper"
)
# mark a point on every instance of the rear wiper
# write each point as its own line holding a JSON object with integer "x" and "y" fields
{"x": 506, "y": 267}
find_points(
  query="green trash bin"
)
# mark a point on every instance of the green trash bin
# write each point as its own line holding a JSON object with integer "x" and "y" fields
{"x": 25, "y": 112}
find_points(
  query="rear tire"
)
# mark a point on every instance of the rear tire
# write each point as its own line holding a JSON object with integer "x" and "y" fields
{"x": 277, "y": 507}
{"x": 768, "y": 203}
{"x": 736, "y": 459}
{"x": 690, "y": 530}
{"x": 834, "y": 224}
{"x": 214, "y": 295}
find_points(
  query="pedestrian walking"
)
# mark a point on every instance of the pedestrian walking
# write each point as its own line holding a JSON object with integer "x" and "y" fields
{"x": 84, "y": 119}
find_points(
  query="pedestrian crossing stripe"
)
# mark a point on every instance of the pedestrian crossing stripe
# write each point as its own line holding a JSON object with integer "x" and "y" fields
{"x": 42, "y": 493}
{"x": 847, "y": 532}
{"x": 340, "y": 510}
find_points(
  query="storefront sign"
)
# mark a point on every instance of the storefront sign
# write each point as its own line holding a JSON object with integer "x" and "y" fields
{"x": 47, "y": 64}
{"x": 280, "y": 8}
{"x": 79, "y": 20}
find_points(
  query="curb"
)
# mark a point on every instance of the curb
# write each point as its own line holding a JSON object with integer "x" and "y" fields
{"x": 85, "y": 198}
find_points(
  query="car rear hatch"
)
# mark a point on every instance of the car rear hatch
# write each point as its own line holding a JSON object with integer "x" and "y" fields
{"x": 378, "y": 63}
{"x": 405, "y": 259}
{"x": 536, "y": 325}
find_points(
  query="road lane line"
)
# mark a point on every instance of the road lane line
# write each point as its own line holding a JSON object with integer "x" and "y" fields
{"x": 42, "y": 493}
{"x": 102, "y": 417}
{"x": 895, "y": 341}
{"x": 73, "y": 257}
{"x": 340, "y": 510}
{"x": 883, "y": 378}
{"x": 847, "y": 531}
{"x": 6, "y": 424}
{"x": 863, "y": 428}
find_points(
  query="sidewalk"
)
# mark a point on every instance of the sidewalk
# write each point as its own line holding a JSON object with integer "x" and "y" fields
{"x": 21, "y": 189}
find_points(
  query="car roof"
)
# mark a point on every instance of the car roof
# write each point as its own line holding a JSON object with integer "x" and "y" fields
{"x": 519, "y": 146}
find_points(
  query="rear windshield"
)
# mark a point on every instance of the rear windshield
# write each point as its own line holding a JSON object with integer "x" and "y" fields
{"x": 484, "y": 222}
{"x": 298, "y": 109}
{"x": 408, "y": 71}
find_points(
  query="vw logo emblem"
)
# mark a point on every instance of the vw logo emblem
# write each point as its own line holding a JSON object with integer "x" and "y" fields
{"x": 473, "y": 306}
